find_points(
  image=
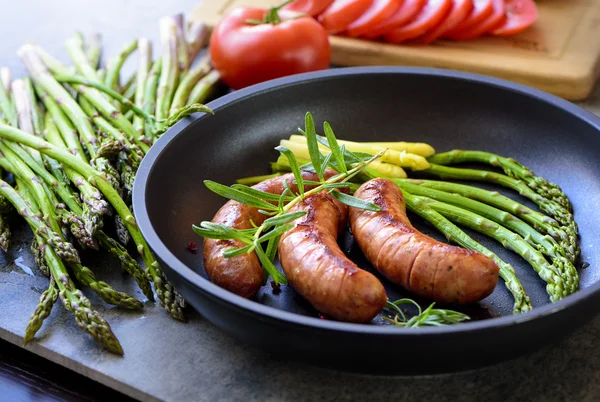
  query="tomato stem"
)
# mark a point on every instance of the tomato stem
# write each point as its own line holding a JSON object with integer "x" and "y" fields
{"x": 272, "y": 16}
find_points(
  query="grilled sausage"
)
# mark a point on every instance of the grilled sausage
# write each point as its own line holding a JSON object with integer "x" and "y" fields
{"x": 243, "y": 274}
{"x": 316, "y": 267}
{"x": 424, "y": 266}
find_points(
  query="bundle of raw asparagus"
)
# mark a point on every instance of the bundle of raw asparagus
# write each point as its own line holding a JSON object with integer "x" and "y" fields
{"x": 71, "y": 140}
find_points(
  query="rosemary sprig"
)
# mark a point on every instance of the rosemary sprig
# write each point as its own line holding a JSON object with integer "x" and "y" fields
{"x": 430, "y": 317}
{"x": 277, "y": 207}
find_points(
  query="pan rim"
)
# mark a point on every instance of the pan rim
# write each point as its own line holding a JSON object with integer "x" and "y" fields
{"x": 252, "y": 307}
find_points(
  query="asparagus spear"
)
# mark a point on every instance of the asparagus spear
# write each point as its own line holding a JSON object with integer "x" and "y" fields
{"x": 183, "y": 61}
{"x": 455, "y": 234}
{"x": 561, "y": 214}
{"x": 539, "y": 221}
{"x": 86, "y": 277}
{"x": 129, "y": 264}
{"x": 74, "y": 301}
{"x": 114, "y": 70}
{"x": 197, "y": 37}
{"x": 511, "y": 167}
{"x": 544, "y": 243}
{"x": 5, "y": 79}
{"x": 164, "y": 289}
{"x": 94, "y": 49}
{"x": 561, "y": 281}
{"x": 94, "y": 206}
{"x": 48, "y": 83}
{"x": 42, "y": 311}
{"x": 187, "y": 84}
{"x": 169, "y": 71}
{"x": 64, "y": 249}
{"x": 150, "y": 89}
{"x": 204, "y": 88}
{"x": 51, "y": 234}
{"x": 80, "y": 60}
{"x": 144, "y": 66}
{"x": 7, "y": 107}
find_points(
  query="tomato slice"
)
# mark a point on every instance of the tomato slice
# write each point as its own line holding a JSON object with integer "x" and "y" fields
{"x": 486, "y": 26}
{"x": 482, "y": 9}
{"x": 379, "y": 11}
{"x": 341, "y": 13}
{"x": 520, "y": 15}
{"x": 431, "y": 15}
{"x": 407, "y": 11}
{"x": 310, "y": 7}
{"x": 458, "y": 13}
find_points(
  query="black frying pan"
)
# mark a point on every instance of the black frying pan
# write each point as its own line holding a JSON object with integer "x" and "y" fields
{"x": 447, "y": 109}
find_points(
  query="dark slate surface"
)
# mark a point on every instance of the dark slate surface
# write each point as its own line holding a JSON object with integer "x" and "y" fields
{"x": 167, "y": 360}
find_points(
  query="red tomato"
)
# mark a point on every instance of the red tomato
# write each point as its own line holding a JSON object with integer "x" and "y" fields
{"x": 379, "y": 11}
{"x": 341, "y": 13}
{"x": 482, "y": 9}
{"x": 407, "y": 11}
{"x": 520, "y": 15}
{"x": 431, "y": 15}
{"x": 309, "y": 7}
{"x": 458, "y": 13}
{"x": 488, "y": 25}
{"x": 245, "y": 53}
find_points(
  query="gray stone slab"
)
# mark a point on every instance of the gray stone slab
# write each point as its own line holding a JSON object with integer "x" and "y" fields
{"x": 171, "y": 361}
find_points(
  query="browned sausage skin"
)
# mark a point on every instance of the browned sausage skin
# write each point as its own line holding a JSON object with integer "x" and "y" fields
{"x": 243, "y": 275}
{"x": 317, "y": 268}
{"x": 407, "y": 257}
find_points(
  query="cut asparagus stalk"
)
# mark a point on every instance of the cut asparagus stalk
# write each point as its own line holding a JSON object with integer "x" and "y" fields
{"x": 144, "y": 66}
{"x": 7, "y": 107}
{"x": 169, "y": 70}
{"x": 94, "y": 50}
{"x": 197, "y": 38}
{"x": 183, "y": 62}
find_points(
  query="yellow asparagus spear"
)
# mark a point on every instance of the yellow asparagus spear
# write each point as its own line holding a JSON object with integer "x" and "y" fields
{"x": 400, "y": 158}
{"x": 300, "y": 151}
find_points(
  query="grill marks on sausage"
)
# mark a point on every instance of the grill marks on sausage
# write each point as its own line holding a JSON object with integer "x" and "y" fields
{"x": 243, "y": 274}
{"x": 318, "y": 269}
{"x": 417, "y": 262}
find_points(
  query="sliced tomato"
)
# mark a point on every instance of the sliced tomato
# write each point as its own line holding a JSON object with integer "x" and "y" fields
{"x": 520, "y": 15}
{"x": 310, "y": 7}
{"x": 341, "y": 13}
{"x": 486, "y": 26}
{"x": 431, "y": 15}
{"x": 458, "y": 13}
{"x": 407, "y": 11}
{"x": 482, "y": 9}
{"x": 379, "y": 11}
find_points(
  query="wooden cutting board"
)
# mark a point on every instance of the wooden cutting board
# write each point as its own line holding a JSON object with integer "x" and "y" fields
{"x": 559, "y": 54}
